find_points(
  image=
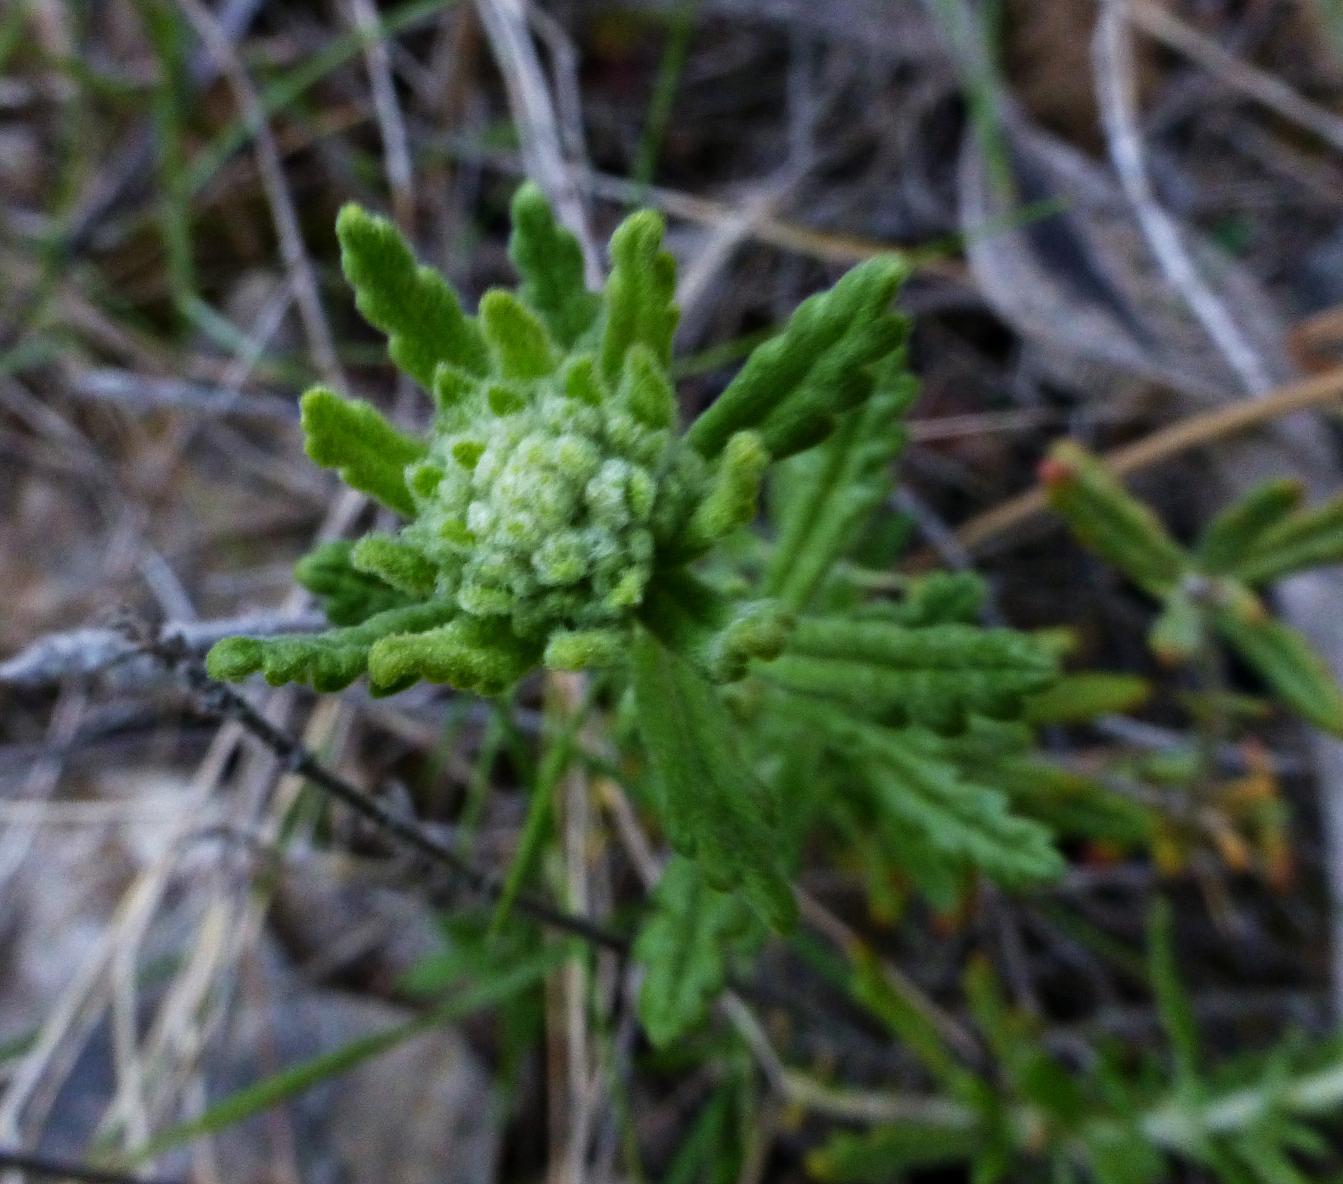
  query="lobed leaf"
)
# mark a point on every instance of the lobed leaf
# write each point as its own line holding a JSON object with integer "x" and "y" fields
{"x": 685, "y": 946}
{"x": 354, "y": 438}
{"x": 918, "y": 788}
{"x": 836, "y": 489}
{"x": 941, "y": 598}
{"x": 1110, "y": 520}
{"x": 646, "y": 390}
{"x": 325, "y": 661}
{"x": 793, "y": 387}
{"x": 414, "y": 306}
{"x": 550, "y": 262}
{"x": 715, "y": 810}
{"x": 585, "y": 649}
{"x": 640, "y": 293}
{"x": 934, "y": 676}
{"x": 480, "y": 656}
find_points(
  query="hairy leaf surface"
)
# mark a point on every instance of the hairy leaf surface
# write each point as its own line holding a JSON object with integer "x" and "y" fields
{"x": 715, "y": 809}
{"x": 414, "y": 306}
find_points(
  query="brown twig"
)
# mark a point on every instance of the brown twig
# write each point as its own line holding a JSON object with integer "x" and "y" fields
{"x": 1264, "y": 88}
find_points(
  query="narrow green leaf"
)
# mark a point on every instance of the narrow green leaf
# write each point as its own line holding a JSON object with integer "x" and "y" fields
{"x": 685, "y": 946}
{"x": 913, "y": 1026}
{"x": 1110, "y": 520}
{"x": 415, "y": 306}
{"x": 715, "y": 810}
{"x": 1180, "y": 631}
{"x": 1080, "y": 698}
{"x": 1284, "y": 659}
{"x": 354, "y": 438}
{"x": 1309, "y": 538}
{"x": 1173, "y": 1006}
{"x": 550, "y": 262}
{"x": 1237, "y": 530}
{"x": 794, "y": 385}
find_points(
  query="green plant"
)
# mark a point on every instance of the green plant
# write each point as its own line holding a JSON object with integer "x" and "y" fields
{"x": 1214, "y": 589}
{"x": 553, "y": 516}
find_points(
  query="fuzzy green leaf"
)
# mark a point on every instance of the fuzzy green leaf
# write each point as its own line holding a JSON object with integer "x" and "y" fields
{"x": 715, "y": 809}
{"x": 550, "y": 262}
{"x": 732, "y": 499}
{"x": 1284, "y": 659}
{"x": 1237, "y": 530}
{"x": 415, "y": 306}
{"x": 585, "y": 649}
{"x": 348, "y": 595}
{"x": 639, "y": 297}
{"x": 646, "y": 390}
{"x": 1110, "y": 520}
{"x": 685, "y": 946}
{"x": 395, "y": 563}
{"x": 935, "y": 676}
{"x": 354, "y": 438}
{"x": 793, "y": 386}
{"x": 482, "y": 657}
{"x": 519, "y": 344}
{"x": 1306, "y": 539}
{"x": 836, "y": 489}
{"x": 325, "y": 661}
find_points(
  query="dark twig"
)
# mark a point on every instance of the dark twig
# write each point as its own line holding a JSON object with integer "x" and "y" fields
{"x": 225, "y": 703}
{"x": 42, "y": 1167}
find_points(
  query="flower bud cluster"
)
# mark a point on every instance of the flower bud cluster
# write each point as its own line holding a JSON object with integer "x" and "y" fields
{"x": 546, "y": 508}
